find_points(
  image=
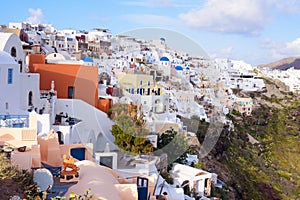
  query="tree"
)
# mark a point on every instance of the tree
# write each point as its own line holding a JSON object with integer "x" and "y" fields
{"x": 130, "y": 137}
{"x": 174, "y": 145}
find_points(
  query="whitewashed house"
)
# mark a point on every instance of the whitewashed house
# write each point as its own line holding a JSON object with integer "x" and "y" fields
{"x": 191, "y": 178}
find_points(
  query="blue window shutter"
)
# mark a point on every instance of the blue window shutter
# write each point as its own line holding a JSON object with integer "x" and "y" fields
{"x": 10, "y": 76}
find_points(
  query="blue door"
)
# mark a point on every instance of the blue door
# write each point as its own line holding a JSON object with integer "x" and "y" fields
{"x": 78, "y": 153}
{"x": 142, "y": 187}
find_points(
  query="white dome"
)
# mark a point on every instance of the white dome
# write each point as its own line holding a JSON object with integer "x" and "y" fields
{"x": 5, "y": 58}
{"x": 55, "y": 57}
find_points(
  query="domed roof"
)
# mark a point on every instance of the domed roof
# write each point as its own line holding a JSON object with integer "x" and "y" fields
{"x": 55, "y": 57}
{"x": 164, "y": 59}
{"x": 178, "y": 68}
{"x": 66, "y": 55}
{"x": 187, "y": 68}
{"x": 5, "y": 58}
{"x": 87, "y": 59}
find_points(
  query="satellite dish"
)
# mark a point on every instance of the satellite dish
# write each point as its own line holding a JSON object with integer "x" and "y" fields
{"x": 43, "y": 178}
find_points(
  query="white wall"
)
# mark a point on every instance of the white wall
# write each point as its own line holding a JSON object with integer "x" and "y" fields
{"x": 29, "y": 82}
{"x": 12, "y": 40}
{"x": 94, "y": 123}
{"x": 10, "y": 93}
{"x": 43, "y": 123}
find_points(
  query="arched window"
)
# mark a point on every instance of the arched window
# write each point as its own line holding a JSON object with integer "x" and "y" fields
{"x": 13, "y": 52}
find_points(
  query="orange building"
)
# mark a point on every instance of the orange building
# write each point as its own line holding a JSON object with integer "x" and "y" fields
{"x": 72, "y": 81}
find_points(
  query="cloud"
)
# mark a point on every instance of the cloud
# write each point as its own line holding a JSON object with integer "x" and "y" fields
{"x": 149, "y": 3}
{"x": 150, "y": 20}
{"x": 162, "y": 3}
{"x": 222, "y": 53}
{"x": 281, "y": 50}
{"x": 287, "y": 6}
{"x": 229, "y": 16}
{"x": 36, "y": 16}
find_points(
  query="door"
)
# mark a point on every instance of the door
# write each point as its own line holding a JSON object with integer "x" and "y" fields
{"x": 78, "y": 153}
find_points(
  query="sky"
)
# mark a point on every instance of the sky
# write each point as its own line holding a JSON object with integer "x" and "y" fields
{"x": 256, "y": 31}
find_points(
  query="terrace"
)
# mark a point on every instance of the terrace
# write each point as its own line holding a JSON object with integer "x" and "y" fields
{"x": 14, "y": 121}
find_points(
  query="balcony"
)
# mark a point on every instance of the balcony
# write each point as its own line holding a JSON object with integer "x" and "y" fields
{"x": 47, "y": 94}
{"x": 14, "y": 121}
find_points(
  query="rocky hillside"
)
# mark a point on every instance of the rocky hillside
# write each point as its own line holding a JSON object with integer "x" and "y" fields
{"x": 260, "y": 159}
{"x": 284, "y": 64}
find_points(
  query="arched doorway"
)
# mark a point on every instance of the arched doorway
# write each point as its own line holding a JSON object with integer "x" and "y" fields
{"x": 60, "y": 137}
{"x": 30, "y": 98}
{"x": 186, "y": 187}
{"x": 104, "y": 77}
{"x": 21, "y": 65}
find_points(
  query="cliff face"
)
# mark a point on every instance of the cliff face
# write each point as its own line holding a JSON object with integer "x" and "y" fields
{"x": 283, "y": 64}
{"x": 269, "y": 169}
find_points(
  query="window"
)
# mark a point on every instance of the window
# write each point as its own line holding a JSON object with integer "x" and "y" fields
{"x": 141, "y": 82}
{"x": 10, "y": 76}
{"x": 13, "y": 52}
{"x": 106, "y": 161}
{"x": 148, "y": 83}
{"x": 70, "y": 92}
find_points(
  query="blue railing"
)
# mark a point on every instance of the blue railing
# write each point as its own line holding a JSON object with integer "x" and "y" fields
{"x": 14, "y": 121}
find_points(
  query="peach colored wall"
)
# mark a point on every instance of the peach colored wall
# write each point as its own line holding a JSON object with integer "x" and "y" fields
{"x": 66, "y": 150}
{"x": 49, "y": 149}
{"x": 16, "y": 133}
{"x": 84, "y": 79}
{"x": 27, "y": 159}
{"x": 127, "y": 191}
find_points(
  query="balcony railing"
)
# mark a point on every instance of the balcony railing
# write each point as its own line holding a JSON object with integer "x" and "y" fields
{"x": 14, "y": 121}
{"x": 46, "y": 94}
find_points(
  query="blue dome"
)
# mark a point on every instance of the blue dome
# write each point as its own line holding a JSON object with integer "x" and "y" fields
{"x": 87, "y": 59}
{"x": 178, "y": 68}
{"x": 164, "y": 59}
{"x": 187, "y": 68}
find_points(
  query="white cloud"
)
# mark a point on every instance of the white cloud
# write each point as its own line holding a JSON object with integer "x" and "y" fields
{"x": 247, "y": 17}
{"x": 36, "y": 16}
{"x": 287, "y": 6}
{"x": 222, "y": 53}
{"x": 150, "y": 20}
{"x": 227, "y": 51}
{"x": 281, "y": 50}
{"x": 162, "y": 3}
{"x": 229, "y": 16}
{"x": 150, "y": 3}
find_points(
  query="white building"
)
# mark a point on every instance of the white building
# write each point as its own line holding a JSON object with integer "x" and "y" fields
{"x": 290, "y": 77}
{"x": 191, "y": 178}
{"x": 239, "y": 75}
{"x": 11, "y": 44}
{"x": 165, "y": 66}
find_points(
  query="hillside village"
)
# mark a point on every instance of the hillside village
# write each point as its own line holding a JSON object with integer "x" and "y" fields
{"x": 61, "y": 92}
